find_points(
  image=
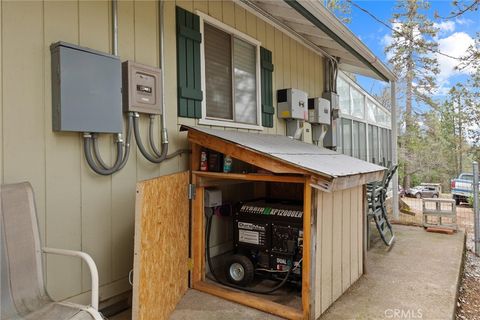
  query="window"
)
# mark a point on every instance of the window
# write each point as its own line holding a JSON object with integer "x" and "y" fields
{"x": 371, "y": 110}
{"x": 356, "y": 136}
{"x": 347, "y": 136}
{"x": 362, "y": 140}
{"x": 231, "y": 74}
{"x": 339, "y": 136}
{"x": 358, "y": 103}
{"x": 343, "y": 89}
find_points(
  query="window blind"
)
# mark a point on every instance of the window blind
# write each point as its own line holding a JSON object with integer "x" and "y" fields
{"x": 244, "y": 61}
{"x": 218, "y": 73}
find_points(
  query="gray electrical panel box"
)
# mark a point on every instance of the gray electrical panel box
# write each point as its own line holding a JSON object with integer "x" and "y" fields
{"x": 86, "y": 90}
{"x": 142, "y": 88}
{"x": 292, "y": 104}
{"x": 330, "y": 140}
{"x": 319, "y": 111}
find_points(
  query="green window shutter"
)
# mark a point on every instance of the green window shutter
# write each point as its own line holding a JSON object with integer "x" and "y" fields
{"x": 267, "y": 89}
{"x": 190, "y": 94}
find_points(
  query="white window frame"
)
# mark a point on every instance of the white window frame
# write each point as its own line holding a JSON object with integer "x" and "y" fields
{"x": 234, "y": 32}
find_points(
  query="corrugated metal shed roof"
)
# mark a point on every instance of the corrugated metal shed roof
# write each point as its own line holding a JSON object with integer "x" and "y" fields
{"x": 312, "y": 158}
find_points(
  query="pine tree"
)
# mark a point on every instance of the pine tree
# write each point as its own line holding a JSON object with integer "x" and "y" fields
{"x": 340, "y": 8}
{"x": 412, "y": 60}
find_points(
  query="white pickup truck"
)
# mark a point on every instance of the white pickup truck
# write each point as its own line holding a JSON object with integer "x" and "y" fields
{"x": 462, "y": 187}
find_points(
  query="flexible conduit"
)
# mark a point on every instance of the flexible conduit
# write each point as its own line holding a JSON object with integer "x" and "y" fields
{"x": 157, "y": 156}
{"x": 94, "y": 158}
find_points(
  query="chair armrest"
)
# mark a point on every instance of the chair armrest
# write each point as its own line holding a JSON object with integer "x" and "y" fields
{"x": 91, "y": 265}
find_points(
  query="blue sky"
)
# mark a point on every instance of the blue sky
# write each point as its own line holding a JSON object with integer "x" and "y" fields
{"x": 453, "y": 38}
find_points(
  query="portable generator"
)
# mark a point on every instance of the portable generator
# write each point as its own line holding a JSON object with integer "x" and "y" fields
{"x": 268, "y": 242}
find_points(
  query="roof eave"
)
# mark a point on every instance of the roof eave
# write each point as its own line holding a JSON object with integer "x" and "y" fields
{"x": 321, "y": 17}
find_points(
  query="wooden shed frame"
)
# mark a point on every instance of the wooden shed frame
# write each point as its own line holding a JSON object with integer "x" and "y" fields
{"x": 279, "y": 171}
{"x": 200, "y": 180}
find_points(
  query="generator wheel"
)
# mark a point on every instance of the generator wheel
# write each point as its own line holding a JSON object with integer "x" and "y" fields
{"x": 239, "y": 270}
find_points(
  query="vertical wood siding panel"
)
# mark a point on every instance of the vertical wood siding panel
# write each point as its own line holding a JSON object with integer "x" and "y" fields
{"x": 23, "y": 110}
{"x": 346, "y": 240}
{"x": 313, "y": 82}
{"x": 320, "y": 73}
{"x": 294, "y": 73}
{"x": 354, "y": 236}
{"x": 228, "y": 13}
{"x": 316, "y": 66}
{"x": 95, "y": 189}
{"x": 201, "y": 5}
{"x": 62, "y": 185}
{"x": 337, "y": 245}
{"x": 123, "y": 182}
{"x": 215, "y": 9}
{"x": 327, "y": 217}
{"x": 240, "y": 19}
{"x": 318, "y": 257}
{"x": 361, "y": 220}
{"x": 251, "y": 24}
{"x": 185, "y": 4}
{"x": 286, "y": 63}
{"x": 146, "y": 52}
{"x": 261, "y": 32}
{"x": 300, "y": 67}
{"x": 278, "y": 75}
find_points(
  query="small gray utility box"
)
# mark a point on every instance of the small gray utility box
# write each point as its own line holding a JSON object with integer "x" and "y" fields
{"x": 86, "y": 90}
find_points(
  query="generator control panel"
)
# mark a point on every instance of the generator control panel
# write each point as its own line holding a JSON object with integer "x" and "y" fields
{"x": 270, "y": 233}
{"x": 142, "y": 88}
{"x": 319, "y": 111}
{"x": 292, "y": 104}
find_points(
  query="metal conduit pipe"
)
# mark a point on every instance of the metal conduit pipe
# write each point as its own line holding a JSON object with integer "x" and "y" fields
{"x": 161, "y": 15}
{"x": 155, "y": 159}
{"x": 153, "y": 145}
{"x": 158, "y": 156}
{"x": 95, "y": 160}
{"x": 87, "y": 148}
{"x": 150, "y": 136}
{"x": 96, "y": 151}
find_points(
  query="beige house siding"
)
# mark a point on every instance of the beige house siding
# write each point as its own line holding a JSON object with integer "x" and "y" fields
{"x": 78, "y": 209}
{"x": 339, "y": 246}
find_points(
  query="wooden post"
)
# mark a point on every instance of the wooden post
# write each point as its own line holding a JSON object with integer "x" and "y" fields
{"x": 307, "y": 213}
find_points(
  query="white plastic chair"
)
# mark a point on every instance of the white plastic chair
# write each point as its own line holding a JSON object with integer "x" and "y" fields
{"x": 23, "y": 294}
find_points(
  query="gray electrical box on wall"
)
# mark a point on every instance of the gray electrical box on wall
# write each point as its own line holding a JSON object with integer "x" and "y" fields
{"x": 142, "y": 88}
{"x": 86, "y": 90}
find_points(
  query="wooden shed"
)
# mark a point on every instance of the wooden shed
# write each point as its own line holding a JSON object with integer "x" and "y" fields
{"x": 170, "y": 239}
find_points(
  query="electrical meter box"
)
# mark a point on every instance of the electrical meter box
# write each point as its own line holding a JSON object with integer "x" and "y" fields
{"x": 142, "y": 88}
{"x": 292, "y": 104}
{"x": 319, "y": 111}
{"x": 334, "y": 103}
{"x": 86, "y": 90}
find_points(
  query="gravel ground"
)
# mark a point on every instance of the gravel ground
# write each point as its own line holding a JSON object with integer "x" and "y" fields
{"x": 468, "y": 305}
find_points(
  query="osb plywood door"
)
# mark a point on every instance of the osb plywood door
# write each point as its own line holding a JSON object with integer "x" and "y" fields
{"x": 161, "y": 246}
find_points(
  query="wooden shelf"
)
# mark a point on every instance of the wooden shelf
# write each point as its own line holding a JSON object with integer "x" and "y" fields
{"x": 250, "y": 177}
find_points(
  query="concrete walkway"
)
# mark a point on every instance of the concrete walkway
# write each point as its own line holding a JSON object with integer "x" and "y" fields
{"x": 417, "y": 279}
